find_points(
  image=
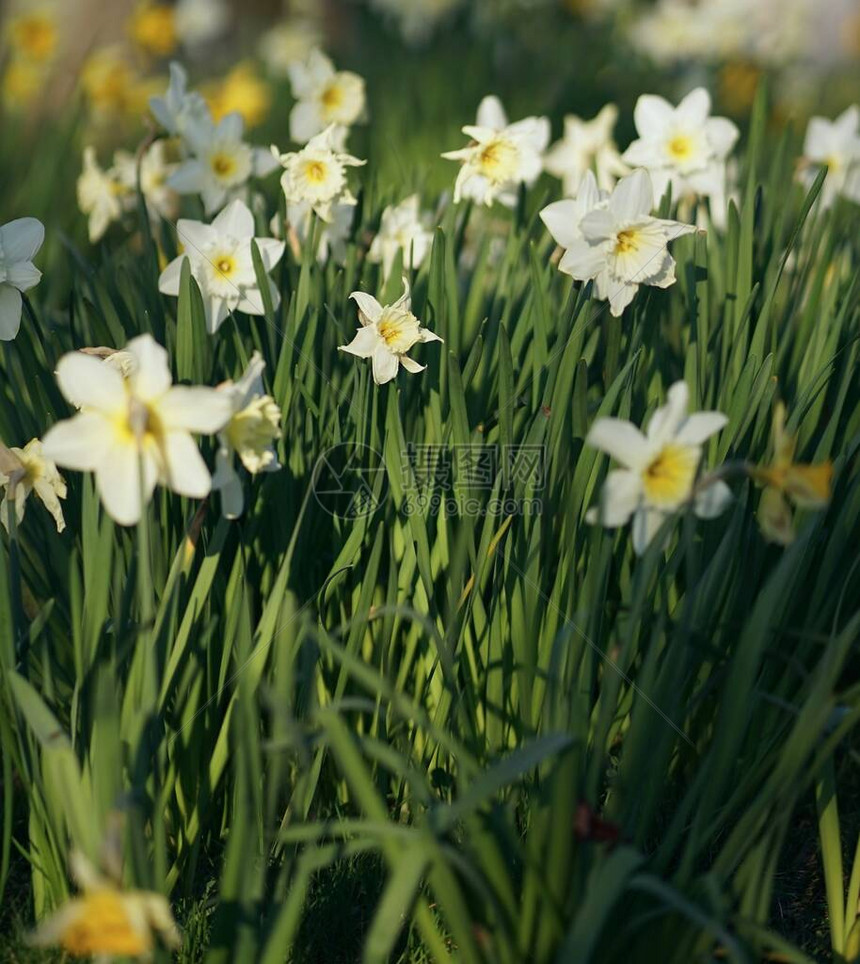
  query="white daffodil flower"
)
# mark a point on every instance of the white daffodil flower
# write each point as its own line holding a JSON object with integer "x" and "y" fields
{"x": 199, "y": 22}
{"x": 179, "y": 107}
{"x": 685, "y": 147}
{"x": 501, "y": 156}
{"x": 288, "y": 43}
{"x": 587, "y": 145}
{"x": 403, "y": 228}
{"x": 20, "y": 240}
{"x": 837, "y": 145}
{"x": 100, "y": 196}
{"x": 219, "y": 255}
{"x": 134, "y": 432}
{"x": 324, "y": 96}
{"x": 254, "y": 427}
{"x": 161, "y": 200}
{"x": 417, "y": 19}
{"x": 618, "y": 244}
{"x": 317, "y": 173}
{"x": 333, "y": 234}
{"x": 26, "y": 470}
{"x": 658, "y": 468}
{"x": 387, "y": 333}
{"x": 221, "y": 162}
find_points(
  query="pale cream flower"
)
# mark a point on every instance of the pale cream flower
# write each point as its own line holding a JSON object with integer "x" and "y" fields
{"x": 199, "y": 22}
{"x": 403, "y": 229}
{"x": 658, "y": 468}
{"x": 317, "y": 174}
{"x": 179, "y": 107}
{"x": 155, "y": 171}
{"x": 587, "y": 145}
{"x": 500, "y": 157}
{"x": 254, "y": 427}
{"x": 387, "y": 334}
{"x": 835, "y": 144}
{"x": 134, "y": 432}
{"x": 288, "y": 43}
{"x": 324, "y": 96}
{"x": 26, "y": 470}
{"x": 100, "y": 195}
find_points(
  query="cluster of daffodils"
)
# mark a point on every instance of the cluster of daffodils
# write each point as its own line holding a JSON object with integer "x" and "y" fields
{"x": 31, "y": 38}
{"x": 216, "y": 162}
{"x": 106, "y": 194}
{"x": 771, "y": 33}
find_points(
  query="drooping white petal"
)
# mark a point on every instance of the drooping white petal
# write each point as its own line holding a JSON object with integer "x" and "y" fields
{"x": 385, "y": 364}
{"x": 23, "y": 275}
{"x": 125, "y": 482}
{"x": 364, "y": 343}
{"x": 619, "y": 498}
{"x": 185, "y": 470}
{"x": 10, "y": 312}
{"x": 713, "y": 500}
{"x": 646, "y": 522}
{"x": 562, "y": 221}
{"x": 169, "y": 279}
{"x": 411, "y": 365}
{"x": 227, "y": 482}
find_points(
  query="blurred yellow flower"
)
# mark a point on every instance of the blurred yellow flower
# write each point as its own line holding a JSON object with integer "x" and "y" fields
{"x": 738, "y": 82}
{"x": 34, "y": 35}
{"x": 242, "y": 91}
{"x": 23, "y": 83}
{"x": 107, "y": 921}
{"x": 112, "y": 86}
{"x": 153, "y": 28}
{"x": 784, "y": 481}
